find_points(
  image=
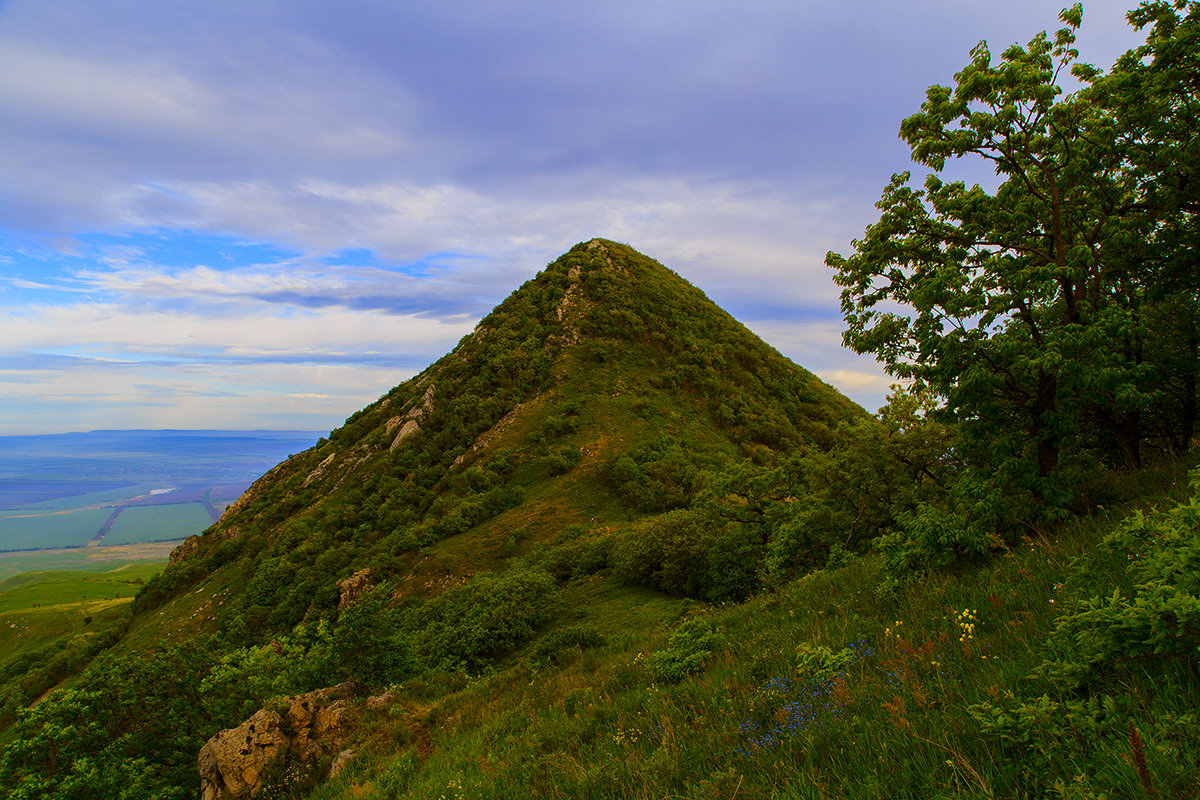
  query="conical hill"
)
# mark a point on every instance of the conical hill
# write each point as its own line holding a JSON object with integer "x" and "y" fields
{"x": 604, "y": 390}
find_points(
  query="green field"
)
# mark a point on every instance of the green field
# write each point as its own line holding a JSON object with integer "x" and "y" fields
{"x": 21, "y": 530}
{"x": 86, "y": 559}
{"x": 157, "y": 523}
{"x": 40, "y": 608}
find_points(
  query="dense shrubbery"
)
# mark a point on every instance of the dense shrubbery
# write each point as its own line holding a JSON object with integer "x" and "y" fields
{"x": 1133, "y": 617}
{"x": 468, "y": 626}
{"x": 691, "y": 643}
{"x": 656, "y": 476}
{"x": 692, "y": 553}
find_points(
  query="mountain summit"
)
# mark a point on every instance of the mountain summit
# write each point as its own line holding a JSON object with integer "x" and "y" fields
{"x": 606, "y": 447}
{"x": 605, "y": 389}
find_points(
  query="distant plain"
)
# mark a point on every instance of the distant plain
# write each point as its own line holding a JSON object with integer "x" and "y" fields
{"x": 87, "y": 518}
{"x": 68, "y": 496}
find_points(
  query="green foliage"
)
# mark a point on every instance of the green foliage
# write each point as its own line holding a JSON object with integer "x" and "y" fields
{"x": 128, "y": 729}
{"x": 561, "y": 460}
{"x": 820, "y": 662}
{"x": 1153, "y": 614}
{"x": 689, "y": 553}
{"x": 656, "y": 476}
{"x": 1021, "y": 308}
{"x": 470, "y": 625}
{"x": 579, "y": 554}
{"x": 691, "y": 643}
{"x": 1143, "y": 625}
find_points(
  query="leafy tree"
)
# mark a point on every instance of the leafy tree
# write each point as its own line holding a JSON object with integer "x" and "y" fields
{"x": 1023, "y": 308}
{"x": 1152, "y": 95}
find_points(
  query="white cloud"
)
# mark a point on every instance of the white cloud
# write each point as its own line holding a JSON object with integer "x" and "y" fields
{"x": 117, "y": 331}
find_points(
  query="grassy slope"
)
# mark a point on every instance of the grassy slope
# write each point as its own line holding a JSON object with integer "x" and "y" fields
{"x": 755, "y": 723}
{"x": 39, "y": 609}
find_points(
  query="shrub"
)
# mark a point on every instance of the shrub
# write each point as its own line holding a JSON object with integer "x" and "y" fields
{"x": 1157, "y": 613}
{"x": 685, "y": 652}
{"x": 468, "y": 626}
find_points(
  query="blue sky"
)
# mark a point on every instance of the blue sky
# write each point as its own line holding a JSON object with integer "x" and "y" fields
{"x": 266, "y": 213}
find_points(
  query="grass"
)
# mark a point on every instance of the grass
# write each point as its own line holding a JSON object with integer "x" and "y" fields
{"x": 38, "y": 609}
{"x": 892, "y": 718}
{"x": 29, "y": 530}
{"x": 90, "y": 559}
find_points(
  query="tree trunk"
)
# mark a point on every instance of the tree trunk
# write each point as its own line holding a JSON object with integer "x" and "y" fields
{"x": 1128, "y": 430}
{"x": 1047, "y": 447}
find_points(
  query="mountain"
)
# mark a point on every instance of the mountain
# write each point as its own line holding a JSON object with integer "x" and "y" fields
{"x": 614, "y": 546}
{"x": 604, "y": 389}
{"x": 595, "y": 455}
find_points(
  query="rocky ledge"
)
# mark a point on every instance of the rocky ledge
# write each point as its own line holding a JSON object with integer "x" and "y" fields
{"x": 237, "y": 762}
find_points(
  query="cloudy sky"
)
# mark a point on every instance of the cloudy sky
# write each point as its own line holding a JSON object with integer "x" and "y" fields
{"x": 266, "y": 213}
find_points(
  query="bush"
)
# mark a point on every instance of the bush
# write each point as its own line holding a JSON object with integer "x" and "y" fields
{"x": 467, "y": 627}
{"x": 685, "y": 652}
{"x": 1156, "y": 615}
{"x": 690, "y": 553}
{"x": 669, "y": 553}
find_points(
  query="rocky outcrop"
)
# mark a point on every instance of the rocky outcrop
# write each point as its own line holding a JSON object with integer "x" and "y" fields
{"x": 185, "y": 550}
{"x": 353, "y": 587}
{"x": 409, "y": 424}
{"x": 319, "y": 471}
{"x": 235, "y": 763}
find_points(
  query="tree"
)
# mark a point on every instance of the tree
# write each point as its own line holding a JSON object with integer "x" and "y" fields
{"x": 1152, "y": 95}
{"x": 1024, "y": 308}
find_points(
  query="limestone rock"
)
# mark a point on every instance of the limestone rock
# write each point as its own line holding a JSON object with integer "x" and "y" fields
{"x": 185, "y": 550}
{"x": 234, "y": 762}
{"x": 353, "y": 587}
{"x": 339, "y": 762}
{"x": 406, "y": 430}
{"x": 319, "y": 471}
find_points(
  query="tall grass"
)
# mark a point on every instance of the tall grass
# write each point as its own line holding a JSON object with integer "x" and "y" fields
{"x": 826, "y": 688}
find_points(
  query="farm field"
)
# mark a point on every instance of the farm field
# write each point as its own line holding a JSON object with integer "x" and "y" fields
{"x": 112, "y": 488}
{"x": 85, "y": 559}
{"x": 105, "y": 497}
{"x": 137, "y": 524}
{"x": 34, "y": 530}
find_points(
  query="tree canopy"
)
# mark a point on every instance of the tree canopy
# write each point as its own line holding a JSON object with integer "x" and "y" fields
{"x": 1053, "y": 315}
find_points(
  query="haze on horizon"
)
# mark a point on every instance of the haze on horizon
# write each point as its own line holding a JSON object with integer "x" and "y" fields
{"x": 265, "y": 213}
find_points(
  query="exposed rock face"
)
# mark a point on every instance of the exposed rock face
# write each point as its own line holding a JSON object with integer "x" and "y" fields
{"x": 234, "y": 763}
{"x": 340, "y": 761}
{"x": 184, "y": 551}
{"x": 353, "y": 587}
{"x": 409, "y": 423}
{"x": 319, "y": 471}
